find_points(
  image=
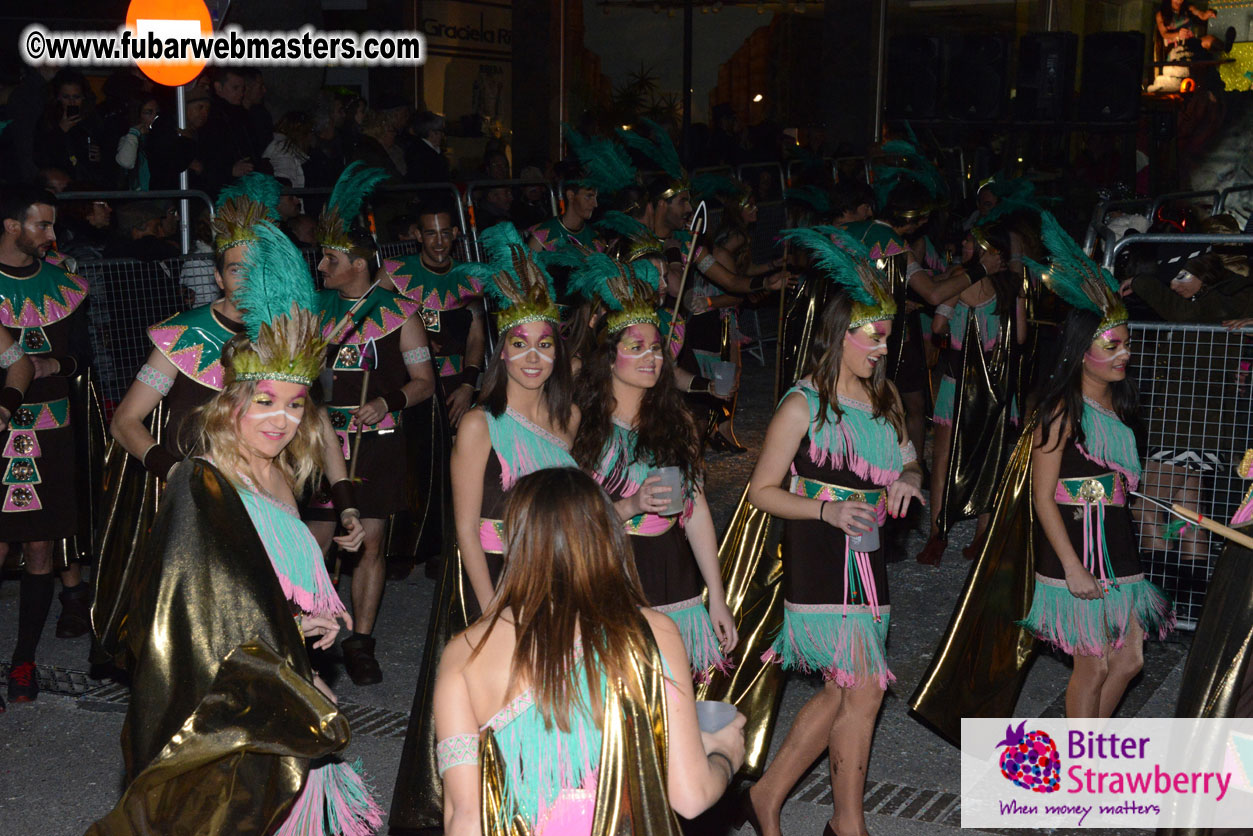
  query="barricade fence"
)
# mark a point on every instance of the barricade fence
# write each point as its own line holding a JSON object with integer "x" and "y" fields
{"x": 1195, "y": 400}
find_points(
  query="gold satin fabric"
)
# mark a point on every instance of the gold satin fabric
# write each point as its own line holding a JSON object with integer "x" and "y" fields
{"x": 983, "y": 658}
{"x": 223, "y": 715}
{"x": 418, "y": 801}
{"x": 898, "y": 283}
{"x": 631, "y": 789}
{"x": 752, "y": 571}
{"x": 981, "y": 426}
{"x": 130, "y": 496}
{"x": 800, "y": 322}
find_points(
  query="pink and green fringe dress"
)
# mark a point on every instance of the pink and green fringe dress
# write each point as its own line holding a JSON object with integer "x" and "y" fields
{"x": 989, "y": 327}
{"x": 836, "y": 609}
{"x": 663, "y": 558}
{"x": 335, "y": 800}
{"x": 1092, "y": 495}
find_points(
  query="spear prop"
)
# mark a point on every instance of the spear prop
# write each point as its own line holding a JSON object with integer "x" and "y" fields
{"x": 1196, "y": 518}
{"x": 700, "y": 218}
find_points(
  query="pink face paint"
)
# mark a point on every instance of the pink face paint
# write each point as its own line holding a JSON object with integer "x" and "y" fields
{"x": 1110, "y": 340}
{"x": 646, "y": 337}
{"x": 266, "y": 391}
{"x": 545, "y": 331}
{"x": 870, "y": 329}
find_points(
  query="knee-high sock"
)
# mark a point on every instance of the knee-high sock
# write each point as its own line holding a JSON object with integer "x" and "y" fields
{"x": 35, "y": 601}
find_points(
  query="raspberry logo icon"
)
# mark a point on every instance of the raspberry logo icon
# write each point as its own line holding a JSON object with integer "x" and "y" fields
{"x": 1030, "y": 759}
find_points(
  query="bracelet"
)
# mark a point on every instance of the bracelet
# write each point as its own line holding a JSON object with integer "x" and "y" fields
{"x": 343, "y": 495}
{"x": 822, "y": 510}
{"x": 10, "y": 399}
{"x": 756, "y": 284}
{"x": 396, "y": 400}
{"x": 702, "y": 381}
{"x": 159, "y": 462}
{"x": 347, "y": 514}
{"x": 730, "y": 766}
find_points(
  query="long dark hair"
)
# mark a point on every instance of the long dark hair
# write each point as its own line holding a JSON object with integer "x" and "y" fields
{"x": 667, "y": 434}
{"x": 823, "y": 366}
{"x": 1061, "y": 394}
{"x": 558, "y": 388}
{"x": 731, "y": 224}
{"x": 1004, "y": 283}
{"x": 569, "y": 577}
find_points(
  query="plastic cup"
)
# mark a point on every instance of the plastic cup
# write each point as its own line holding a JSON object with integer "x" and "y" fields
{"x": 867, "y": 542}
{"x": 713, "y": 715}
{"x": 672, "y": 478}
{"x": 723, "y": 378}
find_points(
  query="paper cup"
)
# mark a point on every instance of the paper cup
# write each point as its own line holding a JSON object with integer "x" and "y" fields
{"x": 672, "y": 478}
{"x": 723, "y": 378}
{"x": 713, "y": 715}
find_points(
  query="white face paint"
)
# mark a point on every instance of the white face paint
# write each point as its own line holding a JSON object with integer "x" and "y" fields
{"x": 261, "y": 416}
{"x": 645, "y": 353}
{"x": 529, "y": 353}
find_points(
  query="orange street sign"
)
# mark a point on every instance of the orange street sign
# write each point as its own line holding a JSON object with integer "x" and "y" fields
{"x": 155, "y": 22}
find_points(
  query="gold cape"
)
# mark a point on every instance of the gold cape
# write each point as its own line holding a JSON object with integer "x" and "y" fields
{"x": 418, "y": 800}
{"x": 752, "y": 571}
{"x": 130, "y": 496}
{"x": 1218, "y": 676}
{"x": 223, "y": 716}
{"x": 982, "y": 661}
{"x": 631, "y": 795}
{"x": 981, "y": 427}
{"x": 799, "y": 317}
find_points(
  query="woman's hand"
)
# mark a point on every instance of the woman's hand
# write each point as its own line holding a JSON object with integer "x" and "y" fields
{"x": 320, "y": 684}
{"x": 724, "y": 624}
{"x": 324, "y": 627}
{"x": 900, "y": 493}
{"x": 68, "y": 122}
{"x": 1082, "y": 584}
{"x": 696, "y": 305}
{"x": 852, "y": 517}
{"x": 1237, "y": 324}
{"x": 354, "y": 534}
{"x": 651, "y": 498}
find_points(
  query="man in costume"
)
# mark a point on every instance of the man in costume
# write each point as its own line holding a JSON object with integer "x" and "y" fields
{"x": 182, "y": 373}
{"x": 40, "y": 503}
{"x": 379, "y": 367}
{"x": 455, "y": 324}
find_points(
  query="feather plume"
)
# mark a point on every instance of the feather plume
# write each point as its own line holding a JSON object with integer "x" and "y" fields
{"x": 235, "y": 221}
{"x": 1070, "y": 273}
{"x": 276, "y": 277}
{"x": 658, "y": 148}
{"x": 352, "y": 188}
{"x": 606, "y": 164}
{"x": 621, "y": 223}
{"x": 706, "y": 186}
{"x": 843, "y": 258}
{"x": 812, "y": 196}
{"x": 514, "y": 276}
{"x": 261, "y": 188}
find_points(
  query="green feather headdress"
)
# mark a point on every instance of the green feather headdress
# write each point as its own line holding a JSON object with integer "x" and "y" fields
{"x": 727, "y": 189}
{"x": 812, "y": 197}
{"x": 241, "y": 206}
{"x": 605, "y": 165}
{"x": 629, "y": 291}
{"x": 343, "y": 207}
{"x": 521, "y": 288}
{"x": 1076, "y": 278}
{"x": 277, "y": 301}
{"x": 254, "y": 185}
{"x": 635, "y": 240}
{"x": 659, "y": 149}
{"x": 846, "y": 262}
{"x": 902, "y": 160}
{"x": 1012, "y": 196}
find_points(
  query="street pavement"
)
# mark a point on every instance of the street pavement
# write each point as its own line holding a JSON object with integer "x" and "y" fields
{"x": 61, "y": 765}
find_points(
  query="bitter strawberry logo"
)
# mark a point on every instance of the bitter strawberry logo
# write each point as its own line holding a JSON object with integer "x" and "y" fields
{"x": 1030, "y": 759}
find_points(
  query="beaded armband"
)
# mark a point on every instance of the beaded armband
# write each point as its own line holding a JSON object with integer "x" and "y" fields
{"x": 706, "y": 262}
{"x": 155, "y": 378}
{"x": 413, "y": 356}
{"x": 455, "y": 751}
{"x": 11, "y": 355}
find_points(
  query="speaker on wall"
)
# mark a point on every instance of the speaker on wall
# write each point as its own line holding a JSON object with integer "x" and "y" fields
{"x": 978, "y": 79}
{"x": 915, "y": 76}
{"x": 1046, "y": 76}
{"x": 1113, "y": 69}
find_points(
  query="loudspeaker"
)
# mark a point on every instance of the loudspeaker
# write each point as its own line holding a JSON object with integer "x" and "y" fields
{"x": 1046, "y": 76}
{"x": 978, "y": 78}
{"x": 915, "y": 74}
{"x": 1113, "y": 68}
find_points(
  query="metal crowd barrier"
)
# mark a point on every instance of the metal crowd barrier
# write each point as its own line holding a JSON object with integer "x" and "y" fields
{"x": 1196, "y": 400}
{"x": 1169, "y": 197}
{"x": 1111, "y": 253}
{"x": 1096, "y": 226}
{"x": 1220, "y": 205}
{"x": 856, "y": 167}
{"x": 474, "y": 228}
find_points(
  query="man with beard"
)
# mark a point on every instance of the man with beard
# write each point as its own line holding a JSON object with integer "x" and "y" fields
{"x": 379, "y": 367}
{"x": 455, "y": 325}
{"x": 40, "y": 304}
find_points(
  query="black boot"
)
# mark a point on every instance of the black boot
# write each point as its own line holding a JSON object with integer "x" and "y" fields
{"x": 75, "y": 617}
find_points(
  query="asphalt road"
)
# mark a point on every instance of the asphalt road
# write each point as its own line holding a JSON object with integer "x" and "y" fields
{"x": 61, "y": 767}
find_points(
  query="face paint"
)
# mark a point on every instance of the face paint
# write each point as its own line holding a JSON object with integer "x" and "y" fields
{"x": 863, "y": 337}
{"x": 645, "y": 353}
{"x": 525, "y": 354}
{"x": 1109, "y": 341}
